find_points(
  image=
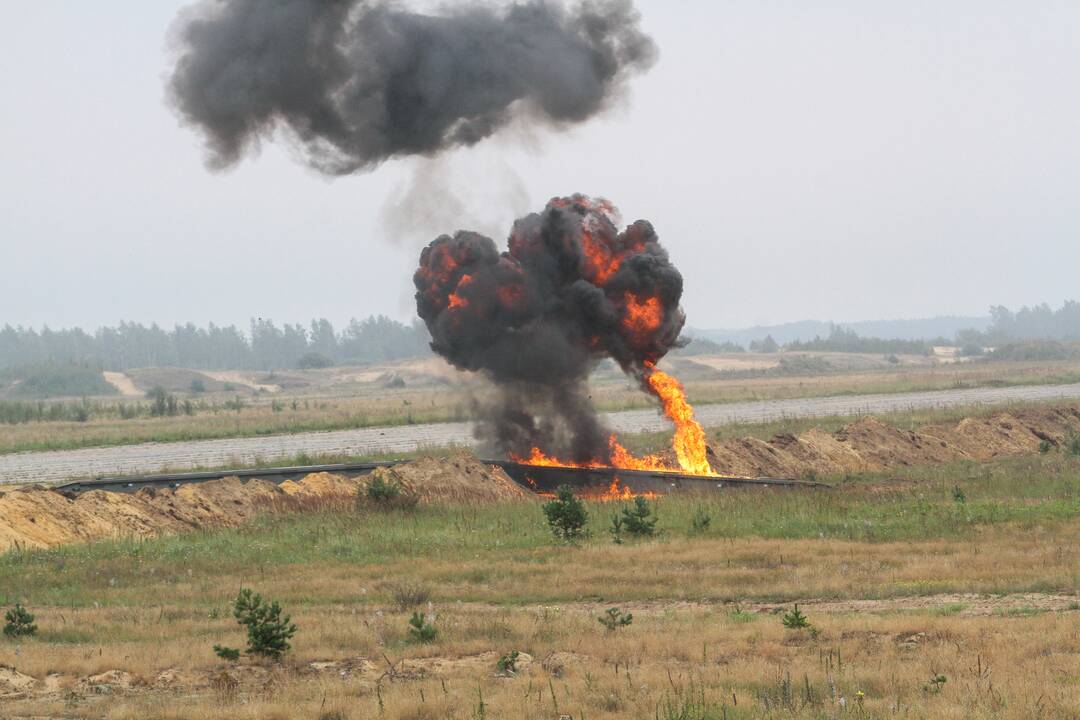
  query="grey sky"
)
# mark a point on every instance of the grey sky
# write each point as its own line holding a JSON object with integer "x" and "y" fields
{"x": 838, "y": 160}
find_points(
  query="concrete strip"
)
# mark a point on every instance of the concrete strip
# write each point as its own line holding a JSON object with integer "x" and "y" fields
{"x": 57, "y": 466}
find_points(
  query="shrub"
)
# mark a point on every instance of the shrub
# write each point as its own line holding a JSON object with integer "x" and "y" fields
{"x": 197, "y": 386}
{"x": 615, "y": 618}
{"x": 410, "y": 595}
{"x": 507, "y": 664}
{"x": 934, "y": 685}
{"x": 162, "y": 403}
{"x": 795, "y": 620}
{"x": 268, "y": 633}
{"x": 384, "y": 494}
{"x": 20, "y": 623}
{"x": 314, "y": 361}
{"x": 616, "y": 529}
{"x": 227, "y": 653}
{"x": 1072, "y": 444}
{"x": 699, "y": 523}
{"x": 48, "y": 381}
{"x": 958, "y": 495}
{"x": 640, "y": 519}
{"x": 566, "y": 515}
{"x": 1045, "y": 446}
{"x": 421, "y": 629}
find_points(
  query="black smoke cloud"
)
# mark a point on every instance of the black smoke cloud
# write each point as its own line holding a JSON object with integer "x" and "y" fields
{"x": 570, "y": 291}
{"x": 355, "y": 83}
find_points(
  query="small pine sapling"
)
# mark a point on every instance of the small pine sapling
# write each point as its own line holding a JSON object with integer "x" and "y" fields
{"x": 507, "y": 664}
{"x": 421, "y": 630}
{"x": 640, "y": 519}
{"x": 566, "y": 515}
{"x": 699, "y": 523}
{"x": 616, "y": 529}
{"x": 614, "y": 618}
{"x": 795, "y": 620}
{"x": 227, "y": 653}
{"x": 268, "y": 633}
{"x": 20, "y": 623}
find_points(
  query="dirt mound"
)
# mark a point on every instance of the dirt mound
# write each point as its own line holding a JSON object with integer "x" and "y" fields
{"x": 41, "y": 517}
{"x": 13, "y": 683}
{"x": 459, "y": 478}
{"x": 869, "y": 444}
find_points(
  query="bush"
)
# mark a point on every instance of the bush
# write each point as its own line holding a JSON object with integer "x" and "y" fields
{"x": 197, "y": 386}
{"x": 1072, "y": 444}
{"x": 1045, "y": 446}
{"x": 700, "y": 522}
{"x": 958, "y": 495}
{"x": 410, "y": 595}
{"x": 421, "y": 629}
{"x": 314, "y": 361}
{"x": 268, "y": 633}
{"x": 20, "y": 623}
{"x": 162, "y": 403}
{"x": 48, "y": 381}
{"x": 615, "y": 618}
{"x": 640, "y": 519}
{"x": 383, "y": 494}
{"x": 795, "y": 620}
{"x": 566, "y": 515}
{"x": 616, "y": 529}
{"x": 227, "y": 653}
{"x": 507, "y": 664}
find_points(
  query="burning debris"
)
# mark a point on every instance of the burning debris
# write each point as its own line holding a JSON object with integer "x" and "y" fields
{"x": 355, "y": 82}
{"x": 570, "y": 291}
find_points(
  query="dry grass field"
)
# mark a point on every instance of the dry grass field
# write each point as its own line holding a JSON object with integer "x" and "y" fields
{"x": 946, "y": 592}
{"x": 429, "y": 391}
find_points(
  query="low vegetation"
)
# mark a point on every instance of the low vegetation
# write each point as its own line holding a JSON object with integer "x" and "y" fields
{"x": 19, "y": 622}
{"x": 268, "y": 632}
{"x": 566, "y": 515}
{"x": 51, "y": 381}
{"x": 679, "y": 622}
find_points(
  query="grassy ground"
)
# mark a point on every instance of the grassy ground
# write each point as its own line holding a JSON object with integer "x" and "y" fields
{"x": 868, "y": 562}
{"x": 265, "y": 415}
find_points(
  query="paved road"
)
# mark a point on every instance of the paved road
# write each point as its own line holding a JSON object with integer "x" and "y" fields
{"x": 153, "y": 457}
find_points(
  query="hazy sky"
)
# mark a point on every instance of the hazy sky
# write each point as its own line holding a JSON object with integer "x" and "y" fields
{"x": 845, "y": 160}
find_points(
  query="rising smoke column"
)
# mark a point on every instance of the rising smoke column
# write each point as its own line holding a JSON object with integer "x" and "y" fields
{"x": 570, "y": 291}
{"x": 356, "y": 82}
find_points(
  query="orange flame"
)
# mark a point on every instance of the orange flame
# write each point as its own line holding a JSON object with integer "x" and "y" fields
{"x": 456, "y": 301}
{"x": 642, "y": 317}
{"x": 689, "y": 440}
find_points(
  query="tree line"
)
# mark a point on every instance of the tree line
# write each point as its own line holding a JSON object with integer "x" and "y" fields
{"x": 1040, "y": 322}
{"x": 265, "y": 346}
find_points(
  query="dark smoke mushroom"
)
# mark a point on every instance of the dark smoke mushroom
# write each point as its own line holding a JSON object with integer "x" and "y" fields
{"x": 570, "y": 291}
{"x": 354, "y": 83}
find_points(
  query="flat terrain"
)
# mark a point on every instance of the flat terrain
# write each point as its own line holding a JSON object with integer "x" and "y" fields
{"x": 945, "y": 592}
{"x": 257, "y": 404}
{"x": 149, "y": 458}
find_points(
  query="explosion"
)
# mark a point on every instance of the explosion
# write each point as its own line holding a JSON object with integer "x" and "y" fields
{"x": 570, "y": 292}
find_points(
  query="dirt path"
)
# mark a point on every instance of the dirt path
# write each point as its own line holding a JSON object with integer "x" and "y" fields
{"x": 123, "y": 383}
{"x": 153, "y": 457}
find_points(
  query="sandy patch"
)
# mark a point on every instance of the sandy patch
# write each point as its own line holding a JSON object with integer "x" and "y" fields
{"x": 122, "y": 383}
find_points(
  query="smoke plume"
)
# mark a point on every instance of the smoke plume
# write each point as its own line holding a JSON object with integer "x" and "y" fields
{"x": 570, "y": 290}
{"x": 355, "y": 82}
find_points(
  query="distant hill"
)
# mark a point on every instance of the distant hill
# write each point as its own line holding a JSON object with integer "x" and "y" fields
{"x": 804, "y": 330}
